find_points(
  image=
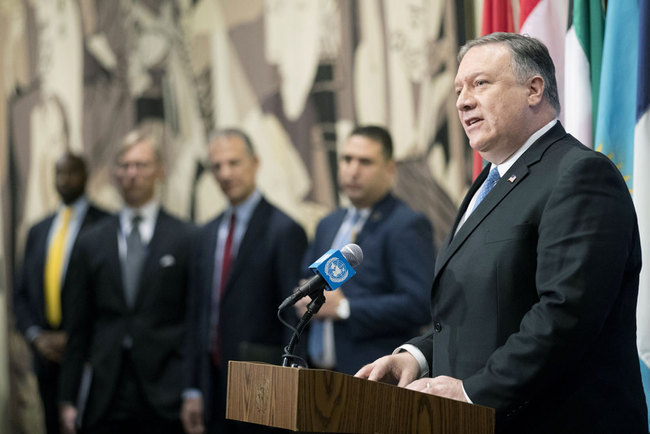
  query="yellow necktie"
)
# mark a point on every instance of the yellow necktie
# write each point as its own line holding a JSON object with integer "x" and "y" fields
{"x": 54, "y": 269}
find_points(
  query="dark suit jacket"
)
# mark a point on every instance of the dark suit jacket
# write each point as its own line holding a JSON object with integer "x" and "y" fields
{"x": 534, "y": 298}
{"x": 29, "y": 298}
{"x": 388, "y": 295}
{"x": 98, "y": 318}
{"x": 262, "y": 275}
{"x": 29, "y": 304}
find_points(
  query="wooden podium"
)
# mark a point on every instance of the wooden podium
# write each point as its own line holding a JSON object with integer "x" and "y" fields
{"x": 315, "y": 400}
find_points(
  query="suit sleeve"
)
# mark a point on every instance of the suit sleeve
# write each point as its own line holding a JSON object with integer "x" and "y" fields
{"x": 192, "y": 345}
{"x": 24, "y": 305}
{"x": 77, "y": 314}
{"x": 408, "y": 261}
{"x": 585, "y": 236}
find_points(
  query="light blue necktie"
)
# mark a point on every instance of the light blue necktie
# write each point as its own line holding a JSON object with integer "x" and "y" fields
{"x": 316, "y": 330}
{"x": 490, "y": 182}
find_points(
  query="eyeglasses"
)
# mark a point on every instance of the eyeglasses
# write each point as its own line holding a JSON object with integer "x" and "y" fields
{"x": 137, "y": 165}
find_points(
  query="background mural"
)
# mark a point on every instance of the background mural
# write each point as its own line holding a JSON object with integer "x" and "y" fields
{"x": 297, "y": 75}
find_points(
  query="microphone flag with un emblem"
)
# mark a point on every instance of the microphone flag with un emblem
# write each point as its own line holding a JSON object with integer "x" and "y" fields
{"x": 331, "y": 270}
{"x": 334, "y": 268}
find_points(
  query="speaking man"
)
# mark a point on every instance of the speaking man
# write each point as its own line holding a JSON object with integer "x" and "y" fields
{"x": 534, "y": 295}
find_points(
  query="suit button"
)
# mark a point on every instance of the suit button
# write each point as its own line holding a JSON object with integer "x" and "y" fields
{"x": 437, "y": 327}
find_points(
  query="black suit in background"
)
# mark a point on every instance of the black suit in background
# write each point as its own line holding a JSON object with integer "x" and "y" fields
{"x": 99, "y": 323}
{"x": 265, "y": 271}
{"x": 29, "y": 305}
{"x": 534, "y": 298}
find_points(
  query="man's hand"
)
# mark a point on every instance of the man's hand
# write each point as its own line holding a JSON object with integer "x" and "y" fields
{"x": 68, "y": 415}
{"x": 328, "y": 310}
{"x": 447, "y": 387}
{"x": 401, "y": 368}
{"x": 192, "y": 415}
{"x": 50, "y": 345}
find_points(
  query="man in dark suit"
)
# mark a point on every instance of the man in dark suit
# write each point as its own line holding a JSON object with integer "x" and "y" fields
{"x": 386, "y": 301}
{"x": 125, "y": 307}
{"x": 246, "y": 262}
{"x": 40, "y": 321}
{"x": 535, "y": 291}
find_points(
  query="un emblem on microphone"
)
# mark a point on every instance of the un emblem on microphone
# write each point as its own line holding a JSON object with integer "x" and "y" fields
{"x": 336, "y": 270}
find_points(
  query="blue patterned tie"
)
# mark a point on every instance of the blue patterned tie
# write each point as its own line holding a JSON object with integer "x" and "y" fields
{"x": 490, "y": 182}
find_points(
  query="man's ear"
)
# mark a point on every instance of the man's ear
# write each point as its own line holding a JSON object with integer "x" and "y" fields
{"x": 536, "y": 87}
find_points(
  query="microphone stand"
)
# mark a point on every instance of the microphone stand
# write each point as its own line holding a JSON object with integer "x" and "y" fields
{"x": 312, "y": 308}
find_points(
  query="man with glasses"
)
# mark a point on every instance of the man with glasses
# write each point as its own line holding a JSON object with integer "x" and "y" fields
{"x": 125, "y": 306}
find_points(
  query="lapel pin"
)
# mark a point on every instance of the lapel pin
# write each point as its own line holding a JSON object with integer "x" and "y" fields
{"x": 512, "y": 178}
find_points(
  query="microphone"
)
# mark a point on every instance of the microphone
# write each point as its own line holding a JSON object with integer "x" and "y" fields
{"x": 331, "y": 270}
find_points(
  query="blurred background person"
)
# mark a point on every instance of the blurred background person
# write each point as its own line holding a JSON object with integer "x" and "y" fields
{"x": 126, "y": 307}
{"x": 386, "y": 301}
{"x": 37, "y": 299}
{"x": 246, "y": 263}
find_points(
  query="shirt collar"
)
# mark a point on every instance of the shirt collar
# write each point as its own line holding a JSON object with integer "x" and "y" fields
{"x": 244, "y": 210}
{"x": 79, "y": 206}
{"x": 363, "y": 212}
{"x": 148, "y": 212}
{"x": 506, "y": 165}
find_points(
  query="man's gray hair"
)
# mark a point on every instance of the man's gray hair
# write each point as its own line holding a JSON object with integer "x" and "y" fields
{"x": 226, "y": 132}
{"x": 145, "y": 132}
{"x": 529, "y": 57}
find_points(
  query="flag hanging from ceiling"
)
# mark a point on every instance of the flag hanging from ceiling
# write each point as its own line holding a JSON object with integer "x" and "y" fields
{"x": 546, "y": 20}
{"x": 617, "y": 99}
{"x": 641, "y": 189}
{"x": 497, "y": 17}
{"x": 582, "y": 62}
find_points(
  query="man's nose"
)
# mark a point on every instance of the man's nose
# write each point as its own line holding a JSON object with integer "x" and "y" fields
{"x": 131, "y": 170}
{"x": 465, "y": 100}
{"x": 354, "y": 167}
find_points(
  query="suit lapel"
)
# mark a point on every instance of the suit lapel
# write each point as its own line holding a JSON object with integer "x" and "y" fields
{"x": 254, "y": 233}
{"x": 208, "y": 259}
{"x": 377, "y": 215}
{"x": 510, "y": 180}
{"x": 41, "y": 261}
{"x": 332, "y": 230}
{"x": 149, "y": 266}
{"x": 113, "y": 253}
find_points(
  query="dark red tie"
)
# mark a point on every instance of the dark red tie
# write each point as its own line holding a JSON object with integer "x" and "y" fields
{"x": 225, "y": 270}
{"x": 227, "y": 255}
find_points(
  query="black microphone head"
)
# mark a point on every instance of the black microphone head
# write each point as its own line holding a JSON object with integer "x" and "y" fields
{"x": 353, "y": 253}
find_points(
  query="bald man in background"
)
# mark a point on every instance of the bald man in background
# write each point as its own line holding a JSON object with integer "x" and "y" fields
{"x": 246, "y": 263}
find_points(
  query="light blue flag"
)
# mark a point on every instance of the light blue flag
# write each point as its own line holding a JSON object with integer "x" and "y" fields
{"x": 617, "y": 104}
{"x": 641, "y": 189}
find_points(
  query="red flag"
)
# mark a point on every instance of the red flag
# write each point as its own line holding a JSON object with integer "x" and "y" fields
{"x": 497, "y": 17}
